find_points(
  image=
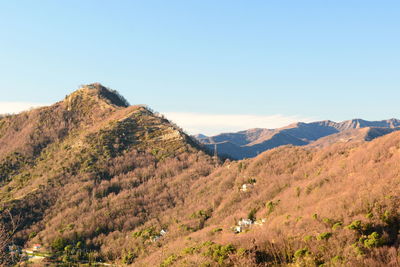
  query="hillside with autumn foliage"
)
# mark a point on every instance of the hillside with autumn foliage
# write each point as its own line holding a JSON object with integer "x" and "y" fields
{"x": 93, "y": 179}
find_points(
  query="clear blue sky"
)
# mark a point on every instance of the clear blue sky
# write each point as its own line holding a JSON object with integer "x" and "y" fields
{"x": 314, "y": 59}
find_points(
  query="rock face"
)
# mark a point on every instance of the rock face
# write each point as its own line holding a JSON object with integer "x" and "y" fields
{"x": 247, "y": 144}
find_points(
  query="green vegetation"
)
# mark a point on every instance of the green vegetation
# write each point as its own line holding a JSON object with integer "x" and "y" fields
{"x": 71, "y": 251}
{"x": 129, "y": 258}
{"x": 271, "y": 205}
{"x": 11, "y": 165}
{"x": 251, "y": 181}
{"x": 372, "y": 241}
{"x": 146, "y": 234}
{"x": 216, "y": 230}
{"x": 355, "y": 225}
{"x": 252, "y": 215}
{"x": 324, "y": 236}
{"x": 169, "y": 261}
{"x": 301, "y": 253}
{"x": 202, "y": 214}
{"x": 219, "y": 253}
{"x": 337, "y": 226}
{"x": 216, "y": 253}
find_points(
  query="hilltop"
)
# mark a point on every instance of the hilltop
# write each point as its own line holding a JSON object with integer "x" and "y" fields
{"x": 94, "y": 179}
{"x": 250, "y": 143}
{"x": 60, "y": 165}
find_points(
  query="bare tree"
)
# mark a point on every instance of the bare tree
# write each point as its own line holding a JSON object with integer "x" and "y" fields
{"x": 7, "y": 232}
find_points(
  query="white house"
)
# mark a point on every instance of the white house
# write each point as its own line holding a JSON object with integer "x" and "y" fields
{"x": 260, "y": 222}
{"x": 237, "y": 229}
{"x": 245, "y": 222}
{"x": 163, "y": 232}
{"x": 157, "y": 237}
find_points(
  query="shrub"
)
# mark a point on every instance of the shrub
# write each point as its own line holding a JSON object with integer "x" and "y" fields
{"x": 308, "y": 238}
{"x": 218, "y": 252}
{"x": 331, "y": 222}
{"x": 359, "y": 251}
{"x": 355, "y": 225}
{"x": 202, "y": 214}
{"x": 169, "y": 261}
{"x": 145, "y": 234}
{"x": 252, "y": 215}
{"x": 68, "y": 248}
{"x": 386, "y": 217}
{"x": 372, "y": 241}
{"x": 189, "y": 250}
{"x": 301, "y": 253}
{"x": 337, "y": 225}
{"x": 32, "y": 235}
{"x": 271, "y": 206}
{"x": 59, "y": 244}
{"x": 129, "y": 258}
{"x": 298, "y": 191}
{"x": 241, "y": 252}
{"x": 369, "y": 215}
{"x": 251, "y": 181}
{"x": 337, "y": 259}
{"x": 324, "y": 236}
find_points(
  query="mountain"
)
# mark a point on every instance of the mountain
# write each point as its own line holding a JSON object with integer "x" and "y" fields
{"x": 200, "y": 136}
{"x": 80, "y": 170}
{"x": 353, "y": 135}
{"x": 93, "y": 180}
{"x": 247, "y": 144}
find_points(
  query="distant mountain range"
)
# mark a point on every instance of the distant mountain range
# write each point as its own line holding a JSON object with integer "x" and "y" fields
{"x": 249, "y": 143}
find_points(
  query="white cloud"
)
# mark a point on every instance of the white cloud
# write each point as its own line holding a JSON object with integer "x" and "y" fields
{"x": 194, "y": 123}
{"x": 212, "y": 124}
{"x": 16, "y": 107}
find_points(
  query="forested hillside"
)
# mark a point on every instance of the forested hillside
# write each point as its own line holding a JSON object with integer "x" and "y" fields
{"x": 93, "y": 179}
{"x": 89, "y": 167}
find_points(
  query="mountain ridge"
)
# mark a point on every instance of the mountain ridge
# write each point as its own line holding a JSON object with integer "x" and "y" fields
{"x": 250, "y": 143}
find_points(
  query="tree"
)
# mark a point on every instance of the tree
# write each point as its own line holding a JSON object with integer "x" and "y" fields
{"x": 7, "y": 231}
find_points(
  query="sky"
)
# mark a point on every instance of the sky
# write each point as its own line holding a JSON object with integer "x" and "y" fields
{"x": 210, "y": 66}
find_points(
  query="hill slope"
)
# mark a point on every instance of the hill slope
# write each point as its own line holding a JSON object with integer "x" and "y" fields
{"x": 90, "y": 167}
{"x": 248, "y": 144}
{"x": 336, "y": 206}
{"x": 92, "y": 179}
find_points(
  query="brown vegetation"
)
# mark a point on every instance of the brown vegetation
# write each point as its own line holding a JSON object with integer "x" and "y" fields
{"x": 122, "y": 184}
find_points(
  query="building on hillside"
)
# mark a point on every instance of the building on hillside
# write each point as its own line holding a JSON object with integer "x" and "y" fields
{"x": 163, "y": 232}
{"x": 36, "y": 247}
{"x": 242, "y": 225}
{"x": 246, "y": 187}
{"x": 237, "y": 229}
{"x": 157, "y": 237}
{"x": 260, "y": 222}
{"x": 245, "y": 222}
